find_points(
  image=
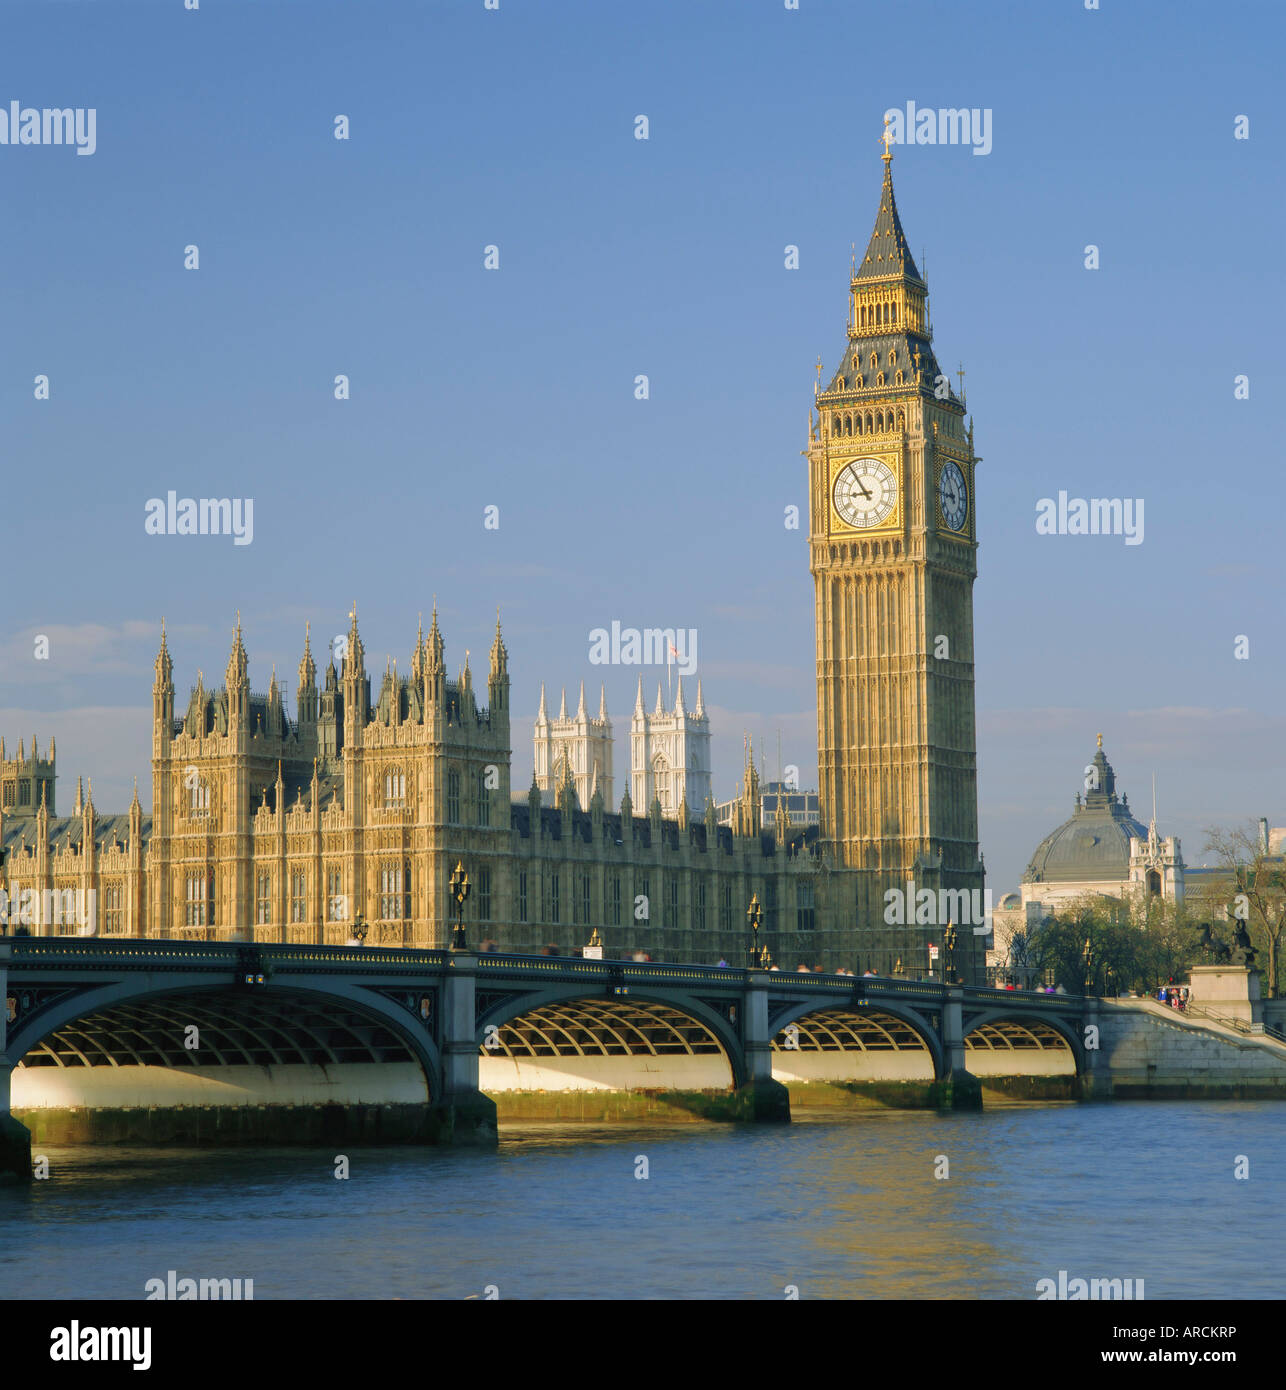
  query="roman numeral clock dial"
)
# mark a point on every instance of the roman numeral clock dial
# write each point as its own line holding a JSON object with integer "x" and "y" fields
{"x": 865, "y": 493}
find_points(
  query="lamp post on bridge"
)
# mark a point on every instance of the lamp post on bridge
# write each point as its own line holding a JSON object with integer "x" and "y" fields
{"x": 460, "y": 886}
{"x": 949, "y": 949}
{"x": 755, "y": 914}
{"x": 360, "y": 928}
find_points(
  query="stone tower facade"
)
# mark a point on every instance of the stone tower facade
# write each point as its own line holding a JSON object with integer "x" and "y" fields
{"x": 670, "y": 753}
{"x": 576, "y": 749}
{"x": 892, "y": 547}
{"x": 27, "y": 781}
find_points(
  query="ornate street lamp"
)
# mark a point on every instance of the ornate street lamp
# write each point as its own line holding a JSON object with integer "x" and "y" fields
{"x": 756, "y": 914}
{"x": 1088, "y": 956}
{"x": 949, "y": 947}
{"x": 460, "y": 886}
{"x": 360, "y": 928}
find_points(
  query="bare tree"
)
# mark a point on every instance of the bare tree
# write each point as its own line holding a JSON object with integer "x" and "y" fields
{"x": 1255, "y": 889}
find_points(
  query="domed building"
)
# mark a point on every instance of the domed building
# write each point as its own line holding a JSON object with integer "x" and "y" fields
{"x": 1101, "y": 849}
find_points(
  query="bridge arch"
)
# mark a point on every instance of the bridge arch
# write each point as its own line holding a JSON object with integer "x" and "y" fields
{"x": 906, "y": 1041}
{"x": 565, "y": 1038}
{"x": 294, "y": 1041}
{"x": 997, "y": 1040}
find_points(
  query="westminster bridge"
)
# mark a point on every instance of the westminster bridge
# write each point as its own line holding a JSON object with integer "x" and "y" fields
{"x": 147, "y": 1040}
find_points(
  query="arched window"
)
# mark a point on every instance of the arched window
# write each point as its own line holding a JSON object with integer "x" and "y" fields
{"x": 879, "y": 422}
{"x": 893, "y": 358}
{"x": 861, "y": 316}
{"x": 661, "y": 778}
{"x": 879, "y": 380}
{"x": 395, "y": 891}
{"x": 870, "y": 422}
{"x": 897, "y": 380}
{"x": 1154, "y": 883}
{"x": 394, "y": 788}
{"x": 875, "y": 361}
{"x": 859, "y": 424}
{"x": 895, "y": 313}
{"x": 198, "y": 797}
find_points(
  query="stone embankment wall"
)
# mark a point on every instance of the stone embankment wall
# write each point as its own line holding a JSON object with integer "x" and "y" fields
{"x": 1147, "y": 1052}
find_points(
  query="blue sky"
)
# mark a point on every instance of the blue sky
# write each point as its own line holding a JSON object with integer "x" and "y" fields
{"x": 515, "y": 388}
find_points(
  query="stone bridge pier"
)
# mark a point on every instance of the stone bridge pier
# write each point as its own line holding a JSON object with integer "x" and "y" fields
{"x": 462, "y": 1114}
{"x": 15, "y": 1138}
{"x": 762, "y": 1098}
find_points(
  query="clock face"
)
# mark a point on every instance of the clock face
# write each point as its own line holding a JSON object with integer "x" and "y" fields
{"x": 865, "y": 492}
{"x": 952, "y": 497}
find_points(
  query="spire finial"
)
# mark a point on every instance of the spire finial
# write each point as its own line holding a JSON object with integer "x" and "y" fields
{"x": 887, "y": 140}
{"x": 1100, "y": 740}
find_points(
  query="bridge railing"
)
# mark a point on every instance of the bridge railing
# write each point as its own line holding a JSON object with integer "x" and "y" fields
{"x": 209, "y": 955}
{"x": 164, "y": 953}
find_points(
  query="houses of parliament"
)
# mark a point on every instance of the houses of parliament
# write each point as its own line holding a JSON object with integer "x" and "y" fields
{"x": 353, "y": 814}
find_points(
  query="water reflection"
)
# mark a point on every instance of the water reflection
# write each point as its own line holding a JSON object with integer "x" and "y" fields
{"x": 839, "y": 1206}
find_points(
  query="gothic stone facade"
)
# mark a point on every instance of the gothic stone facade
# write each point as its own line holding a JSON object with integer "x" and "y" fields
{"x": 289, "y": 831}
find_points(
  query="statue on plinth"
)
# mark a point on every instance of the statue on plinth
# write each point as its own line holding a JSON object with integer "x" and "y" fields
{"x": 1212, "y": 946}
{"x": 1243, "y": 953}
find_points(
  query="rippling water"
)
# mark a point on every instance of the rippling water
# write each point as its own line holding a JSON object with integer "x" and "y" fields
{"x": 841, "y": 1207}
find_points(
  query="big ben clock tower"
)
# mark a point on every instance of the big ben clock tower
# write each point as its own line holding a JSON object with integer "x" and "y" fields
{"x": 892, "y": 547}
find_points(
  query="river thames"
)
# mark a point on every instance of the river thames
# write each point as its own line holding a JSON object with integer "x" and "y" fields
{"x": 833, "y": 1206}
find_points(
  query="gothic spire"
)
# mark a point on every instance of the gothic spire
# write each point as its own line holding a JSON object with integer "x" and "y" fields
{"x": 237, "y": 663}
{"x": 307, "y": 666}
{"x": 499, "y": 653}
{"x": 888, "y": 255}
{"x": 355, "y": 659}
{"x": 435, "y": 641}
{"x": 164, "y": 666}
